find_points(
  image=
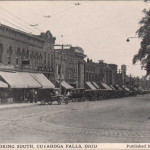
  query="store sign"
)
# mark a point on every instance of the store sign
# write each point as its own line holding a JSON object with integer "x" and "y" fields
{"x": 6, "y": 66}
{"x": 46, "y": 69}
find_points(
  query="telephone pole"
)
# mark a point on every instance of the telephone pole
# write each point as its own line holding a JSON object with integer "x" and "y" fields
{"x": 61, "y": 61}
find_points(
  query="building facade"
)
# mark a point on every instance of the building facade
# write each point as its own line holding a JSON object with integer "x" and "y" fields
{"x": 69, "y": 65}
{"x": 100, "y": 72}
{"x": 21, "y": 51}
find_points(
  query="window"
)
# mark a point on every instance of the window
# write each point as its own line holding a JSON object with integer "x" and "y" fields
{"x": 17, "y": 60}
{"x": 52, "y": 59}
{"x": 18, "y": 53}
{"x": 58, "y": 69}
{"x": 27, "y": 54}
{"x": 9, "y": 52}
{"x": 1, "y": 52}
{"x": 48, "y": 59}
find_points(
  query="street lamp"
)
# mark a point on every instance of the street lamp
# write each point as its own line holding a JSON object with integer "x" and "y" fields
{"x": 128, "y": 39}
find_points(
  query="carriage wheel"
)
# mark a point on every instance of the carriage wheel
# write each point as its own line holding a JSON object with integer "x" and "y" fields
{"x": 43, "y": 102}
{"x": 49, "y": 103}
{"x": 59, "y": 101}
{"x": 66, "y": 101}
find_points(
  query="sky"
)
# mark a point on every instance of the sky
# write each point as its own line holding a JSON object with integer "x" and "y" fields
{"x": 99, "y": 27}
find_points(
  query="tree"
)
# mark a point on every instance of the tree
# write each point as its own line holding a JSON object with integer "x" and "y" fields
{"x": 143, "y": 32}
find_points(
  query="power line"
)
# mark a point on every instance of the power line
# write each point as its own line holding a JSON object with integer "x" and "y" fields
{"x": 19, "y": 18}
{"x": 57, "y": 13}
{"x": 15, "y": 20}
{"x": 13, "y": 24}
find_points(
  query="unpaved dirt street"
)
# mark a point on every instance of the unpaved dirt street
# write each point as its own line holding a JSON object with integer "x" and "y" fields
{"x": 122, "y": 120}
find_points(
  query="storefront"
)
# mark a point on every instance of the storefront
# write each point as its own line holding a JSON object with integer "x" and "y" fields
{"x": 3, "y": 91}
{"x": 19, "y": 84}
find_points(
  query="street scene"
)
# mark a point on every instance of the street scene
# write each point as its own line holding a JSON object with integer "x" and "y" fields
{"x": 74, "y": 72}
{"x": 124, "y": 120}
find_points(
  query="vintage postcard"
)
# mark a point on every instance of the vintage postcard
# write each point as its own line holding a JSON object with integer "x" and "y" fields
{"x": 74, "y": 75}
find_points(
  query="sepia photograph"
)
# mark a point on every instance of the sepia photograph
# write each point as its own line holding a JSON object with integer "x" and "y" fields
{"x": 74, "y": 72}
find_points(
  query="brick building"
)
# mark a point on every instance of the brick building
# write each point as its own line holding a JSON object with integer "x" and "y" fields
{"x": 100, "y": 72}
{"x": 27, "y": 52}
{"x": 69, "y": 64}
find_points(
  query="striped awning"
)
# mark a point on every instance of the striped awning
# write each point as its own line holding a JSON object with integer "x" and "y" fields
{"x": 112, "y": 87}
{"x": 95, "y": 84}
{"x": 89, "y": 84}
{"x": 106, "y": 86}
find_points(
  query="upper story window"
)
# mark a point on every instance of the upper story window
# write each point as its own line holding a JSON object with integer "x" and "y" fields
{"x": 18, "y": 53}
{"x": 9, "y": 52}
{"x": 1, "y": 52}
{"x": 23, "y": 53}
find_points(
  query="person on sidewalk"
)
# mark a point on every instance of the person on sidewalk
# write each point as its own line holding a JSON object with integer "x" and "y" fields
{"x": 30, "y": 96}
{"x": 35, "y": 96}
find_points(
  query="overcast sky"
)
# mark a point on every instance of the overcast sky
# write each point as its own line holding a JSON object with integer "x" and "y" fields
{"x": 99, "y": 27}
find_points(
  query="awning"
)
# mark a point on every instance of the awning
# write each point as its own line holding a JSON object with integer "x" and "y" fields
{"x": 43, "y": 81}
{"x": 89, "y": 84}
{"x": 29, "y": 80}
{"x": 126, "y": 88}
{"x": 106, "y": 86}
{"x": 94, "y": 83}
{"x": 119, "y": 87}
{"x": 112, "y": 87}
{"x": 19, "y": 80}
{"x": 3, "y": 85}
{"x": 66, "y": 85}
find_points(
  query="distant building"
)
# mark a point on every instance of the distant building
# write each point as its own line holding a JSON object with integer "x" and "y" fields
{"x": 113, "y": 70}
{"x": 72, "y": 62}
{"x": 100, "y": 72}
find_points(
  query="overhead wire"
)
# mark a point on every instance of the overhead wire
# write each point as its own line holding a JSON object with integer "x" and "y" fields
{"x": 13, "y": 24}
{"x": 19, "y": 18}
{"x": 22, "y": 24}
{"x": 57, "y": 13}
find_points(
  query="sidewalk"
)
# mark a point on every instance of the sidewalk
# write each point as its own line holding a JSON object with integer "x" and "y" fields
{"x": 16, "y": 105}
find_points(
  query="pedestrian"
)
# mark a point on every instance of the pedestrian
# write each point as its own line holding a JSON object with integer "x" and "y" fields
{"x": 35, "y": 96}
{"x": 30, "y": 96}
{"x": 68, "y": 94}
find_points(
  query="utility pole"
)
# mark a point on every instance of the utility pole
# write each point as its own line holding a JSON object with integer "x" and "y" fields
{"x": 130, "y": 80}
{"x": 62, "y": 47}
{"x": 61, "y": 61}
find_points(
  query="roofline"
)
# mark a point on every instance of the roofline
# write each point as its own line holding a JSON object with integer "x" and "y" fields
{"x": 19, "y": 31}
